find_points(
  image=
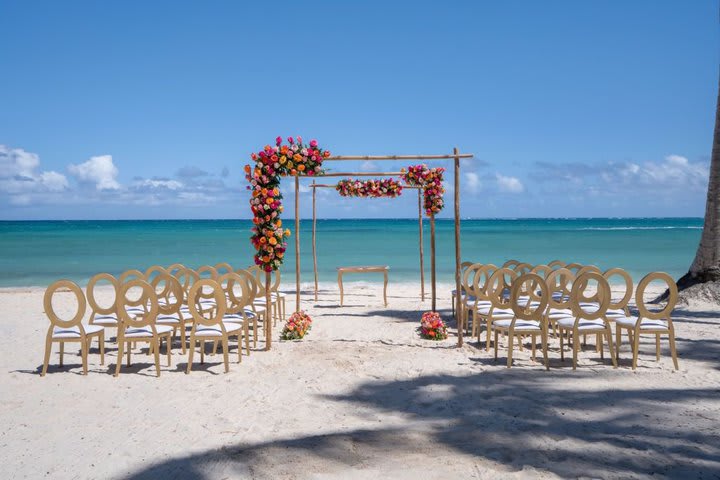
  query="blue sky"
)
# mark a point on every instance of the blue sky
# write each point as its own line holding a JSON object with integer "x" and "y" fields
{"x": 150, "y": 109}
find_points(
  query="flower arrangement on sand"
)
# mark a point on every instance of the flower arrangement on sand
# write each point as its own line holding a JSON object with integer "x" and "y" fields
{"x": 430, "y": 180}
{"x": 432, "y": 327}
{"x": 369, "y": 188}
{"x": 271, "y": 163}
{"x": 297, "y": 326}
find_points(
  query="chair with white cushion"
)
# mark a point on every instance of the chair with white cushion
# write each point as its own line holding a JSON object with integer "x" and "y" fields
{"x": 171, "y": 297}
{"x": 208, "y": 324}
{"x": 258, "y": 311}
{"x": 588, "y": 315}
{"x": 474, "y": 297}
{"x": 499, "y": 307}
{"x": 453, "y": 293}
{"x": 103, "y": 316}
{"x": 528, "y": 320}
{"x": 140, "y": 327}
{"x": 559, "y": 283}
{"x": 619, "y": 305}
{"x": 260, "y": 297}
{"x": 64, "y": 331}
{"x": 656, "y": 323}
{"x": 238, "y": 295}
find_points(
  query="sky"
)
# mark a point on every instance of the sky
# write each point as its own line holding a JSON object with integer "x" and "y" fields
{"x": 135, "y": 110}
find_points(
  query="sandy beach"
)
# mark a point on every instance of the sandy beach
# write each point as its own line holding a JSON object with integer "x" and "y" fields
{"x": 361, "y": 397}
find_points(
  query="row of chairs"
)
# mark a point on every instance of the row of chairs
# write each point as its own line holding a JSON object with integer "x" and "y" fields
{"x": 525, "y": 301}
{"x": 163, "y": 307}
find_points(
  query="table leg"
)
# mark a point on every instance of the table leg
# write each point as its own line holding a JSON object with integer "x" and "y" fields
{"x": 385, "y": 288}
{"x": 340, "y": 284}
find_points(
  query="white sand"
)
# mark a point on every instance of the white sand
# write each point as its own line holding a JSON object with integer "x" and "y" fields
{"x": 361, "y": 397}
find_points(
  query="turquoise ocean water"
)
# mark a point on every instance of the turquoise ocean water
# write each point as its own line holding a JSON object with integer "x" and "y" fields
{"x": 38, "y": 253}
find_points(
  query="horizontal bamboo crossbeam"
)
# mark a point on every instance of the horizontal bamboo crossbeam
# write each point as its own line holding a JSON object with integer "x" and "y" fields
{"x": 400, "y": 157}
{"x": 313, "y": 185}
{"x": 361, "y": 174}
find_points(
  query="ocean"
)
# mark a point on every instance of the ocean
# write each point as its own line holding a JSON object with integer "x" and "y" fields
{"x": 36, "y": 253}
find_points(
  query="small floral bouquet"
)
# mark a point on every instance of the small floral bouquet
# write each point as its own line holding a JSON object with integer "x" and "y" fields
{"x": 430, "y": 180}
{"x": 432, "y": 327}
{"x": 369, "y": 188}
{"x": 297, "y": 326}
{"x": 271, "y": 163}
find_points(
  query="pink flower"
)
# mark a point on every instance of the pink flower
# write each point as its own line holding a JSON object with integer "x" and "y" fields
{"x": 299, "y": 139}
{"x": 313, "y": 143}
{"x": 290, "y": 140}
{"x": 278, "y": 141}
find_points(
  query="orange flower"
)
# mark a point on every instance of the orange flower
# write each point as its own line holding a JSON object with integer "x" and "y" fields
{"x": 247, "y": 168}
{"x": 301, "y": 167}
{"x": 263, "y": 240}
{"x": 287, "y": 232}
{"x": 272, "y": 240}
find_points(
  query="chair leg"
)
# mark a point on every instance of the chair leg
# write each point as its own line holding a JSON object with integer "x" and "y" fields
{"x": 101, "y": 341}
{"x": 636, "y": 349}
{"x": 544, "y": 339}
{"x": 62, "y": 352}
{"x": 156, "y": 352}
{"x": 183, "y": 338}
{"x": 532, "y": 337}
{"x": 510, "y": 349}
{"x": 562, "y": 346}
{"x": 255, "y": 332}
{"x": 246, "y": 334}
{"x": 225, "y": 354}
{"x": 488, "y": 329}
{"x": 657, "y": 347}
{"x": 495, "y": 343}
{"x": 673, "y": 352}
{"x": 168, "y": 348}
{"x": 118, "y": 363}
{"x": 618, "y": 341}
{"x": 48, "y": 349}
{"x": 202, "y": 351}
{"x": 129, "y": 348}
{"x": 84, "y": 355}
{"x": 191, "y": 351}
{"x": 239, "y": 342}
{"x": 576, "y": 347}
{"x": 599, "y": 345}
{"x": 613, "y": 357}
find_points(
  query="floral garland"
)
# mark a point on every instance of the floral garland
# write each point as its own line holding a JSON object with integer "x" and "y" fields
{"x": 432, "y": 327}
{"x": 430, "y": 180}
{"x": 369, "y": 188}
{"x": 297, "y": 326}
{"x": 271, "y": 163}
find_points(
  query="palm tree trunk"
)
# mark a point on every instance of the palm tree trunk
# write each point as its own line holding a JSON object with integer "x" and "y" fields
{"x": 706, "y": 266}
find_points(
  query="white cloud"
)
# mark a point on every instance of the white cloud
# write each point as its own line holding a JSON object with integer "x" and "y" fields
{"x": 509, "y": 184}
{"x": 473, "y": 182}
{"x": 99, "y": 170}
{"x": 19, "y": 176}
{"x": 368, "y": 166}
{"x": 159, "y": 184}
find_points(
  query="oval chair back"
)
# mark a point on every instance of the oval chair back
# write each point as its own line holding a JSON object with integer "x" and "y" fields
{"x": 522, "y": 268}
{"x": 478, "y": 281}
{"x": 665, "y": 312}
{"x": 207, "y": 289}
{"x": 174, "y": 268}
{"x": 55, "y": 320}
{"x": 529, "y": 282}
{"x": 622, "y": 303}
{"x": 141, "y": 311}
{"x": 222, "y": 268}
{"x": 169, "y": 292}
{"x": 600, "y": 299}
{"x": 130, "y": 275}
{"x": 497, "y": 285}
{"x": 556, "y": 264}
{"x": 236, "y": 302}
{"x": 542, "y": 270}
{"x": 560, "y": 283}
{"x": 510, "y": 264}
{"x": 153, "y": 271}
{"x": 187, "y": 278}
{"x": 207, "y": 271}
{"x": 108, "y": 313}
{"x": 574, "y": 267}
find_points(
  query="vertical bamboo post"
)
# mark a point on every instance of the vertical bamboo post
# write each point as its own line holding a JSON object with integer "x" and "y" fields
{"x": 422, "y": 253}
{"x": 457, "y": 247}
{"x": 314, "y": 247}
{"x": 297, "y": 243}
{"x": 432, "y": 261}
{"x": 268, "y": 311}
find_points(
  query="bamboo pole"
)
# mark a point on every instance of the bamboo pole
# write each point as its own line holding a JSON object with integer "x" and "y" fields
{"x": 314, "y": 236}
{"x": 297, "y": 243}
{"x": 457, "y": 248}
{"x": 398, "y": 157}
{"x": 432, "y": 262}
{"x": 361, "y": 174}
{"x": 321, "y": 185}
{"x": 268, "y": 311}
{"x": 420, "y": 229}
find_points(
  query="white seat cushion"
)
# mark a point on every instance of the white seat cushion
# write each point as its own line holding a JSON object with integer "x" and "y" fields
{"x": 496, "y": 313}
{"x": 173, "y": 319}
{"x": 278, "y": 294}
{"x": 216, "y": 331}
{"x": 74, "y": 332}
{"x": 647, "y": 324}
{"x": 105, "y": 320}
{"x": 236, "y": 317}
{"x": 519, "y": 324}
{"x": 615, "y": 312}
{"x": 145, "y": 332}
{"x": 583, "y": 324}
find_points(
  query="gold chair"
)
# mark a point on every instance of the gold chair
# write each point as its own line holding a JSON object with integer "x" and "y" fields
{"x": 207, "y": 271}
{"x": 260, "y": 299}
{"x": 510, "y": 264}
{"x": 171, "y": 297}
{"x": 174, "y": 268}
{"x": 499, "y": 308}
{"x": 63, "y": 331}
{"x": 527, "y": 320}
{"x": 650, "y": 322}
{"x": 256, "y": 311}
{"x": 208, "y": 324}
{"x": 222, "y": 268}
{"x": 474, "y": 282}
{"x": 103, "y": 316}
{"x": 130, "y": 275}
{"x": 453, "y": 293}
{"x": 559, "y": 283}
{"x": 587, "y": 320}
{"x": 556, "y": 264}
{"x": 140, "y": 327}
{"x": 237, "y": 309}
{"x": 619, "y": 307}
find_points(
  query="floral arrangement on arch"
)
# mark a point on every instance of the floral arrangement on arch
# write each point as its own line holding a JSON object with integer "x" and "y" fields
{"x": 297, "y": 326}
{"x": 271, "y": 163}
{"x": 430, "y": 180}
{"x": 432, "y": 326}
{"x": 369, "y": 188}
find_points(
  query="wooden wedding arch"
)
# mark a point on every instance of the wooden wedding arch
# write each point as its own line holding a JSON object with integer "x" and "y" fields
{"x": 456, "y": 156}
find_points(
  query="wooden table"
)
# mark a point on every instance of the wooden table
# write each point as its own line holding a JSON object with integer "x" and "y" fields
{"x": 370, "y": 269}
